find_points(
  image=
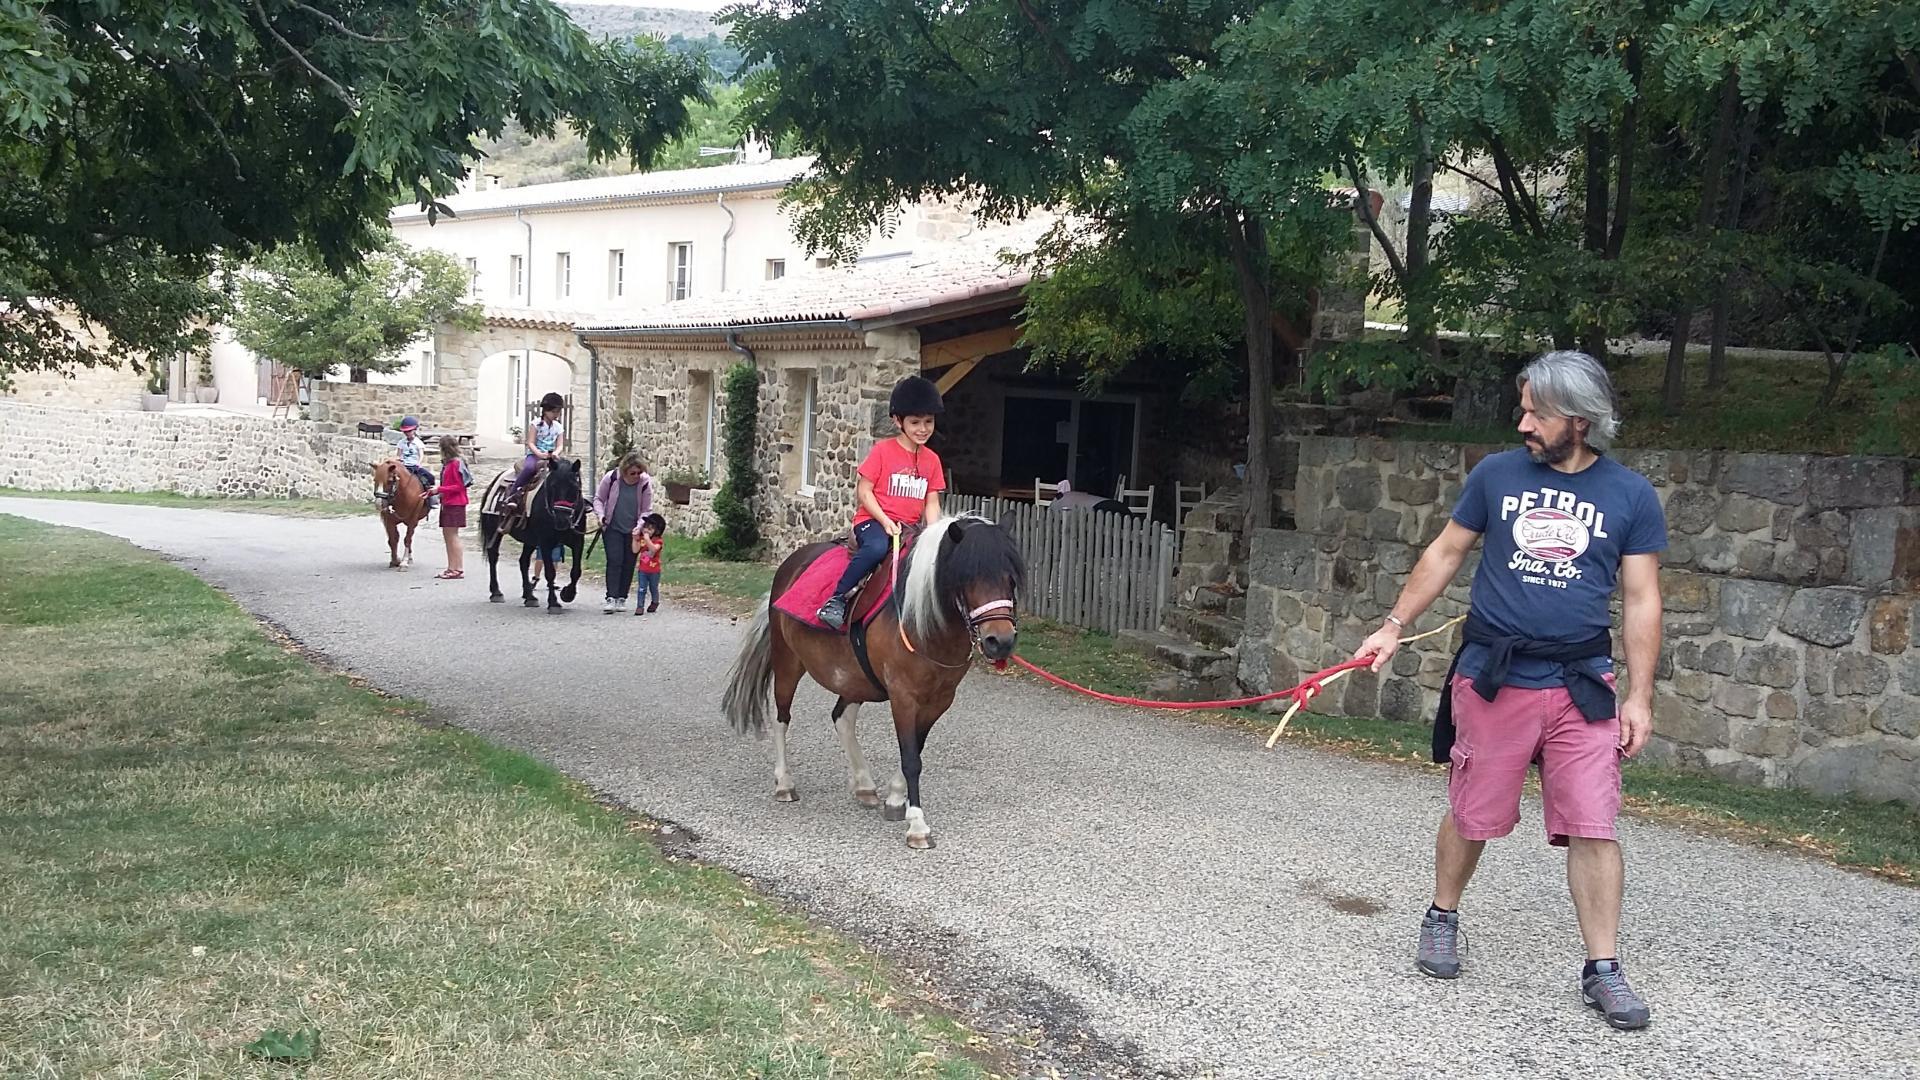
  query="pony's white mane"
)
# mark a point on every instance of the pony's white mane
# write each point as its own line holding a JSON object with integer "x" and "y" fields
{"x": 921, "y": 606}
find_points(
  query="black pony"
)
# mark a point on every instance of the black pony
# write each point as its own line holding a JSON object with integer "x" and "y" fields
{"x": 556, "y": 516}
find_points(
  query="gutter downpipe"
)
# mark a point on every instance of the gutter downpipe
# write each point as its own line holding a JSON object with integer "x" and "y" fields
{"x": 724, "y": 237}
{"x": 593, "y": 402}
{"x": 525, "y": 390}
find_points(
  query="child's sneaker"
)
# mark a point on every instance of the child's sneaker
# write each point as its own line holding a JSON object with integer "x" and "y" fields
{"x": 653, "y": 607}
{"x": 639, "y": 610}
{"x": 833, "y": 613}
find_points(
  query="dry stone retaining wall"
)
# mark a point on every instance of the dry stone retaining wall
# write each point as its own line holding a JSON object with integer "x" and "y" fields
{"x": 340, "y": 407}
{"x": 1790, "y": 588}
{"x": 47, "y": 448}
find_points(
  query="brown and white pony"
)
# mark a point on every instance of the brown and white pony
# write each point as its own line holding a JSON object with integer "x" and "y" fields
{"x": 961, "y": 581}
{"x": 402, "y": 501}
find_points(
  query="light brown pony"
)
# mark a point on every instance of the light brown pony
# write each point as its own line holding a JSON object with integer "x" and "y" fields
{"x": 961, "y": 582}
{"x": 402, "y": 501}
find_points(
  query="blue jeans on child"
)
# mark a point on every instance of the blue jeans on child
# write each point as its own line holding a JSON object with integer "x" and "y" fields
{"x": 649, "y": 587}
{"x": 874, "y": 547}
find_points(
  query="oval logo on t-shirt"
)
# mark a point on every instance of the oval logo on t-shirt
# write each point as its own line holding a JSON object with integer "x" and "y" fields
{"x": 1550, "y": 535}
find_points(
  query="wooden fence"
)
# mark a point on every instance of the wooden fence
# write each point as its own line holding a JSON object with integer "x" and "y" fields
{"x": 1100, "y": 571}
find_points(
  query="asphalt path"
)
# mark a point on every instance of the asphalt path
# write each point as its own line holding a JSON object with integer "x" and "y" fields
{"x": 1155, "y": 896}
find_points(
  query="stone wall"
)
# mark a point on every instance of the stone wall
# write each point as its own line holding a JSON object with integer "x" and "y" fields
{"x": 669, "y": 383}
{"x": 1790, "y": 587}
{"x": 340, "y": 406}
{"x": 81, "y": 388}
{"x": 47, "y": 448}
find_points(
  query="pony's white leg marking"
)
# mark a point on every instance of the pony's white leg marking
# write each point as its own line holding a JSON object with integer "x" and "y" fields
{"x": 782, "y": 779}
{"x": 919, "y": 835}
{"x": 896, "y": 804}
{"x": 859, "y": 777}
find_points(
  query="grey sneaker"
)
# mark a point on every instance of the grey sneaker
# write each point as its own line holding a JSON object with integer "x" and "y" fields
{"x": 834, "y": 612}
{"x": 1607, "y": 990}
{"x": 1440, "y": 945}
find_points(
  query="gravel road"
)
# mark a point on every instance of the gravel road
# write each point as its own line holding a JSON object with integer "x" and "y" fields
{"x": 1159, "y": 897}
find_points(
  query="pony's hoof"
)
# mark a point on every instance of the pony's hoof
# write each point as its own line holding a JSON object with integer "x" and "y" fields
{"x": 529, "y": 602}
{"x": 868, "y": 799}
{"x": 890, "y": 812}
{"x": 496, "y": 598}
{"x": 567, "y": 594}
{"x": 788, "y": 795}
{"x": 920, "y": 843}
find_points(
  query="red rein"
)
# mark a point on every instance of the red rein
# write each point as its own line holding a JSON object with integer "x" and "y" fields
{"x": 1307, "y": 688}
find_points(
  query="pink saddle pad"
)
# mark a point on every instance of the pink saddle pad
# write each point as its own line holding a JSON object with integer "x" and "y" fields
{"x": 815, "y": 585}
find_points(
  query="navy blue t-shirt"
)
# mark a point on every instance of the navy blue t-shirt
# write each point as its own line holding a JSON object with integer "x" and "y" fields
{"x": 1551, "y": 551}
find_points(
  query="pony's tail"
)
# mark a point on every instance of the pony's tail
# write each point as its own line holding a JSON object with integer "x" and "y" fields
{"x": 750, "y": 680}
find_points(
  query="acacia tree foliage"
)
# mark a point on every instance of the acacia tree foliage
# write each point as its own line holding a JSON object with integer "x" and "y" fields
{"x": 143, "y": 141}
{"x": 1114, "y": 110}
{"x": 293, "y": 310}
{"x": 1636, "y": 158}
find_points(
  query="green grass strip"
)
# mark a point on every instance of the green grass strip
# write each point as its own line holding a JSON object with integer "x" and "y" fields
{"x": 212, "y": 845}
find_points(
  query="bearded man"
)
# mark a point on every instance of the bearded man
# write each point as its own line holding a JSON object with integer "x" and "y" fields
{"x": 1563, "y": 526}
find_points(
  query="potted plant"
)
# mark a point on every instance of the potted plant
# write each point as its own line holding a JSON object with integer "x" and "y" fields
{"x": 680, "y": 484}
{"x": 206, "y": 393}
{"x": 155, "y": 399}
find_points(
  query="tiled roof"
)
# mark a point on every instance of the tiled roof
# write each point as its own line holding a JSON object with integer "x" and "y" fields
{"x": 632, "y": 187}
{"x": 876, "y": 289}
{"x": 521, "y": 318}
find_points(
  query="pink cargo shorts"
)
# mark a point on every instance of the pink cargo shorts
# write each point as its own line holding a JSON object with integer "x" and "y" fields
{"x": 1497, "y": 740}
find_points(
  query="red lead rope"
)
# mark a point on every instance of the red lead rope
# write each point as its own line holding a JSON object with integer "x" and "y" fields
{"x": 1307, "y": 688}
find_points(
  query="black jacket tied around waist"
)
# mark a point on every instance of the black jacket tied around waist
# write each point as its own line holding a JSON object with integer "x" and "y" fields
{"x": 1586, "y": 679}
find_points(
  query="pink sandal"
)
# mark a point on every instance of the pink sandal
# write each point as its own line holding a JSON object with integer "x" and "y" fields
{"x": 450, "y": 575}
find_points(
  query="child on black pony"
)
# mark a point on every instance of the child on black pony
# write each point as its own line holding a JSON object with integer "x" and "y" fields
{"x": 900, "y": 484}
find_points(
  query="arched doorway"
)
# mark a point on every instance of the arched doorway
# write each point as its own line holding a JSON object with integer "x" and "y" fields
{"x": 507, "y": 382}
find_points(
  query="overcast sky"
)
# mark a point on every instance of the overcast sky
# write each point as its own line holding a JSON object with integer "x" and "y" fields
{"x": 689, "y": 5}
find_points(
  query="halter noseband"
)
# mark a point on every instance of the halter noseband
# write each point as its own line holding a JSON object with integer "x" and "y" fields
{"x": 985, "y": 614}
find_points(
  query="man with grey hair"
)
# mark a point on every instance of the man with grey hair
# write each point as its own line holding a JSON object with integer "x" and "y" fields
{"x": 1563, "y": 525}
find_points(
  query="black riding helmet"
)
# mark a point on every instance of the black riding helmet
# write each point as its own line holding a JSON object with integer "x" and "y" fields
{"x": 553, "y": 401}
{"x": 915, "y": 396}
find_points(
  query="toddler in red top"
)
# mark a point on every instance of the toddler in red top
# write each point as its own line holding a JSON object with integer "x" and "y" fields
{"x": 648, "y": 543}
{"x": 900, "y": 485}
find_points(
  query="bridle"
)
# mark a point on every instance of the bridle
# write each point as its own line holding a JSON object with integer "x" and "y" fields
{"x": 384, "y": 495}
{"x": 984, "y": 614}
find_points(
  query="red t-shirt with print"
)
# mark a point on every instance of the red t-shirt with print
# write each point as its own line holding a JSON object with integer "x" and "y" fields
{"x": 902, "y": 480}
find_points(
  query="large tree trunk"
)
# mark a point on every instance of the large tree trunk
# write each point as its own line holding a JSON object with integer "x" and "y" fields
{"x": 1730, "y": 220}
{"x": 1247, "y": 245}
{"x": 1674, "y": 392}
{"x": 1593, "y": 232}
{"x": 1627, "y": 147}
{"x": 1419, "y": 231}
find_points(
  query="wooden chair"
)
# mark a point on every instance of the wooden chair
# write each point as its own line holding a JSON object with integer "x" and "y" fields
{"x": 1044, "y": 492}
{"x": 1185, "y": 498}
{"x": 1137, "y": 500}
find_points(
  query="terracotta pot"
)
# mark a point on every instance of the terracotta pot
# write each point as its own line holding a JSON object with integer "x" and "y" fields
{"x": 679, "y": 494}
